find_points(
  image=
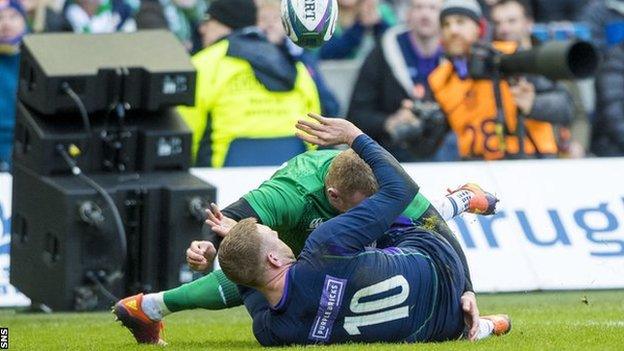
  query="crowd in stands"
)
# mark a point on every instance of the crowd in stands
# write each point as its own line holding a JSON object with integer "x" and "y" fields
{"x": 415, "y": 92}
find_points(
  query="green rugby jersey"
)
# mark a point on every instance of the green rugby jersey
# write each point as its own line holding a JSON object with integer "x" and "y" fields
{"x": 293, "y": 200}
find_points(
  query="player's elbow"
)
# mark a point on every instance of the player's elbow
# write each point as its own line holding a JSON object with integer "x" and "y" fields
{"x": 263, "y": 334}
{"x": 406, "y": 189}
{"x": 412, "y": 187}
{"x": 410, "y": 192}
{"x": 265, "y": 341}
{"x": 402, "y": 194}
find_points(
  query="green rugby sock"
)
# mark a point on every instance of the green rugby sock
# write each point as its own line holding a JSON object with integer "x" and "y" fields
{"x": 212, "y": 292}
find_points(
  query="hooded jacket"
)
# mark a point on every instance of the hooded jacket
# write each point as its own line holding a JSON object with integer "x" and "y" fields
{"x": 246, "y": 88}
{"x": 383, "y": 82}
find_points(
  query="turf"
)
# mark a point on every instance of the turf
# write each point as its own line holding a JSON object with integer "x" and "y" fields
{"x": 541, "y": 321}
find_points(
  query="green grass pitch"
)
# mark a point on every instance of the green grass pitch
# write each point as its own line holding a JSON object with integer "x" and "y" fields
{"x": 579, "y": 320}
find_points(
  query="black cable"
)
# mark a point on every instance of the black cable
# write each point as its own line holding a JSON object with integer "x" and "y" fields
{"x": 81, "y": 107}
{"x": 109, "y": 295}
{"x": 109, "y": 201}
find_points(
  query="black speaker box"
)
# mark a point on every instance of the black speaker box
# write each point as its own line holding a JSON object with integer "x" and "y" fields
{"x": 148, "y": 142}
{"x": 54, "y": 248}
{"x": 147, "y": 70}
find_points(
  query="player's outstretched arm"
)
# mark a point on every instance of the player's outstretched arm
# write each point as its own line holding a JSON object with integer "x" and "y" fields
{"x": 363, "y": 224}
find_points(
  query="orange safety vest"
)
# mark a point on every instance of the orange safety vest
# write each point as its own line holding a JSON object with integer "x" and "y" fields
{"x": 470, "y": 109}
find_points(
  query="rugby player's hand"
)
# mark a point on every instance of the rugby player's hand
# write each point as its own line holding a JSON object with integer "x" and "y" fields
{"x": 200, "y": 255}
{"x": 328, "y": 131}
{"x": 471, "y": 314}
{"x": 219, "y": 223}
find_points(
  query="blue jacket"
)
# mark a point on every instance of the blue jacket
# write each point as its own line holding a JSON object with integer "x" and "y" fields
{"x": 9, "y": 71}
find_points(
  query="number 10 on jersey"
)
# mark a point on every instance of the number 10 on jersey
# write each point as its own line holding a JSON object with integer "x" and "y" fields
{"x": 368, "y": 313}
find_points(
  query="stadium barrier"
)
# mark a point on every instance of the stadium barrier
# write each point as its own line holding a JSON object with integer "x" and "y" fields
{"x": 560, "y": 223}
{"x": 341, "y": 76}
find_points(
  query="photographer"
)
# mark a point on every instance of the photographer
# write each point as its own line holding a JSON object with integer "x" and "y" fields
{"x": 551, "y": 101}
{"x": 391, "y": 99}
{"x": 470, "y": 104}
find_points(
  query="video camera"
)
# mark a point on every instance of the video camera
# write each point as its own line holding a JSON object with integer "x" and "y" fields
{"x": 428, "y": 113}
{"x": 554, "y": 60}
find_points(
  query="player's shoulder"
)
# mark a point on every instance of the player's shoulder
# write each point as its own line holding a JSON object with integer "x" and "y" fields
{"x": 282, "y": 324}
{"x": 314, "y": 158}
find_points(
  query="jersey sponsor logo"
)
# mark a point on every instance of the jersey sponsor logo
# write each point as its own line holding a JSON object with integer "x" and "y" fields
{"x": 315, "y": 223}
{"x": 329, "y": 307}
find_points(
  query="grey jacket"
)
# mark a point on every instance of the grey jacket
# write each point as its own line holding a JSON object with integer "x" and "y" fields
{"x": 553, "y": 103}
{"x": 608, "y": 128}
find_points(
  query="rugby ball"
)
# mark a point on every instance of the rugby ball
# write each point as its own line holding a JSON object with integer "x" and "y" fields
{"x": 309, "y": 23}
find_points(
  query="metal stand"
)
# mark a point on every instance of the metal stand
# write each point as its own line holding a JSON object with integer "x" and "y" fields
{"x": 493, "y": 68}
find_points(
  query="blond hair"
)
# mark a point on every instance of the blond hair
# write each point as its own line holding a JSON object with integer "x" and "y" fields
{"x": 349, "y": 174}
{"x": 241, "y": 252}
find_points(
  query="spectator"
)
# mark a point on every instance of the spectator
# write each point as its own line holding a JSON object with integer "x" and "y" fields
{"x": 355, "y": 19}
{"x": 392, "y": 77}
{"x": 151, "y": 15}
{"x": 469, "y": 104}
{"x": 100, "y": 16}
{"x": 513, "y": 21}
{"x": 270, "y": 23}
{"x": 183, "y": 17}
{"x": 485, "y": 6}
{"x": 599, "y": 14}
{"x": 12, "y": 29}
{"x": 42, "y": 18}
{"x": 246, "y": 86}
{"x": 608, "y": 128}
